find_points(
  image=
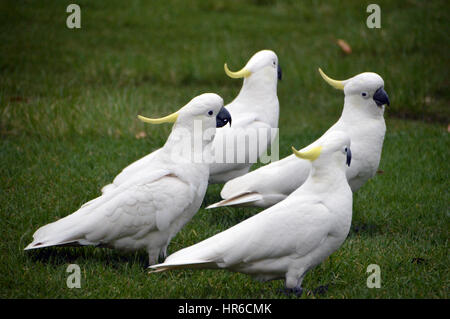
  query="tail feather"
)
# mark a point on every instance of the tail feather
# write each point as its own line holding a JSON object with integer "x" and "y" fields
{"x": 180, "y": 265}
{"x": 241, "y": 199}
{"x": 38, "y": 244}
{"x": 66, "y": 231}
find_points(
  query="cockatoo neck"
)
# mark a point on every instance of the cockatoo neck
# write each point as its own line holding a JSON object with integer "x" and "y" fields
{"x": 354, "y": 111}
{"x": 327, "y": 174}
{"x": 190, "y": 144}
{"x": 259, "y": 87}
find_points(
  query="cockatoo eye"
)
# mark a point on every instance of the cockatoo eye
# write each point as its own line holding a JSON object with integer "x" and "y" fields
{"x": 274, "y": 63}
{"x": 349, "y": 156}
{"x": 365, "y": 95}
{"x": 210, "y": 113}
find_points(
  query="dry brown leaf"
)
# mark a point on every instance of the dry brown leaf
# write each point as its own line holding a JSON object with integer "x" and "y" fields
{"x": 141, "y": 135}
{"x": 345, "y": 47}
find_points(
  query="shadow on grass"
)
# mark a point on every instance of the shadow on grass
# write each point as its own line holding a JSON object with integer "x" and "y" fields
{"x": 106, "y": 256}
{"x": 369, "y": 229}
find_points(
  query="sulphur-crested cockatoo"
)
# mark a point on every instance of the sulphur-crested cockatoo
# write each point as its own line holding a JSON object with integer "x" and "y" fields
{"x": 148, "y": 209}
{"x": 255, "y": 112}
{"x": 362, "y": 119}
{"x": 291, "y": 237}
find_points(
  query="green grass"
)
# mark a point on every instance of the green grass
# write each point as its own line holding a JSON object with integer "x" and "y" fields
{"x": 68, "y": 106}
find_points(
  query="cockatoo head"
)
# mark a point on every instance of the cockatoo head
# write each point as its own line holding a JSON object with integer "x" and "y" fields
{"x": 263, "y": 64}
{"x": 334, "y": 147}
{"x": 194, "y": 128}
{"x": 364, "y": 91}
{"x": 206, "y": 110}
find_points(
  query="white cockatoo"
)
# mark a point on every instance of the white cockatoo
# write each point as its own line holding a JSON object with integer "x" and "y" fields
{"x": 148, "y": 209}
{"x": 291, "y": 237}
{"x": 362, "y": 119}
{"x": 254, "y": 110}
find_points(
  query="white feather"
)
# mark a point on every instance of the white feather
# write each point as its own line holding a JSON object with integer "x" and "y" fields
{"x": 361, "y": 119}
{"x": 147, "y": 208}
{"x": 130, "y": 170}
{"x": 289, "y": 238}
{"x": 255, "y": 108}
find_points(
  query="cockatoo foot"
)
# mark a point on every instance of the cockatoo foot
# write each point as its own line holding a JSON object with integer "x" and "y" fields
{"x": 320, "y": 291}
{"x": 298, "y": 291}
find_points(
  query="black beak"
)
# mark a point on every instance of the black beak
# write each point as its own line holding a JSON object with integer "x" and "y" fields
{"x": 280, "y": 74}
{"x": 223, "y": 117}
{"x": 349, "y": 156}
{"x": 380, "y": 97}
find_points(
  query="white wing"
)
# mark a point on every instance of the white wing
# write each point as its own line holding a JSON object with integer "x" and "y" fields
{"x": 130, "y": 170}
{"x": 286, "y": 229}
{"x": 266, "y": 185}
{"x": 269, "y": 184}
{"x": 144, "y": 204}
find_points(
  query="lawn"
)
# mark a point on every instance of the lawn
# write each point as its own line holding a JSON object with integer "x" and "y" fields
{"x": 68, "y": 105}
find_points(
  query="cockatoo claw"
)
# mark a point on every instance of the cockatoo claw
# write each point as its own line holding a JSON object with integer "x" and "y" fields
{"x": 298, "y": 291}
